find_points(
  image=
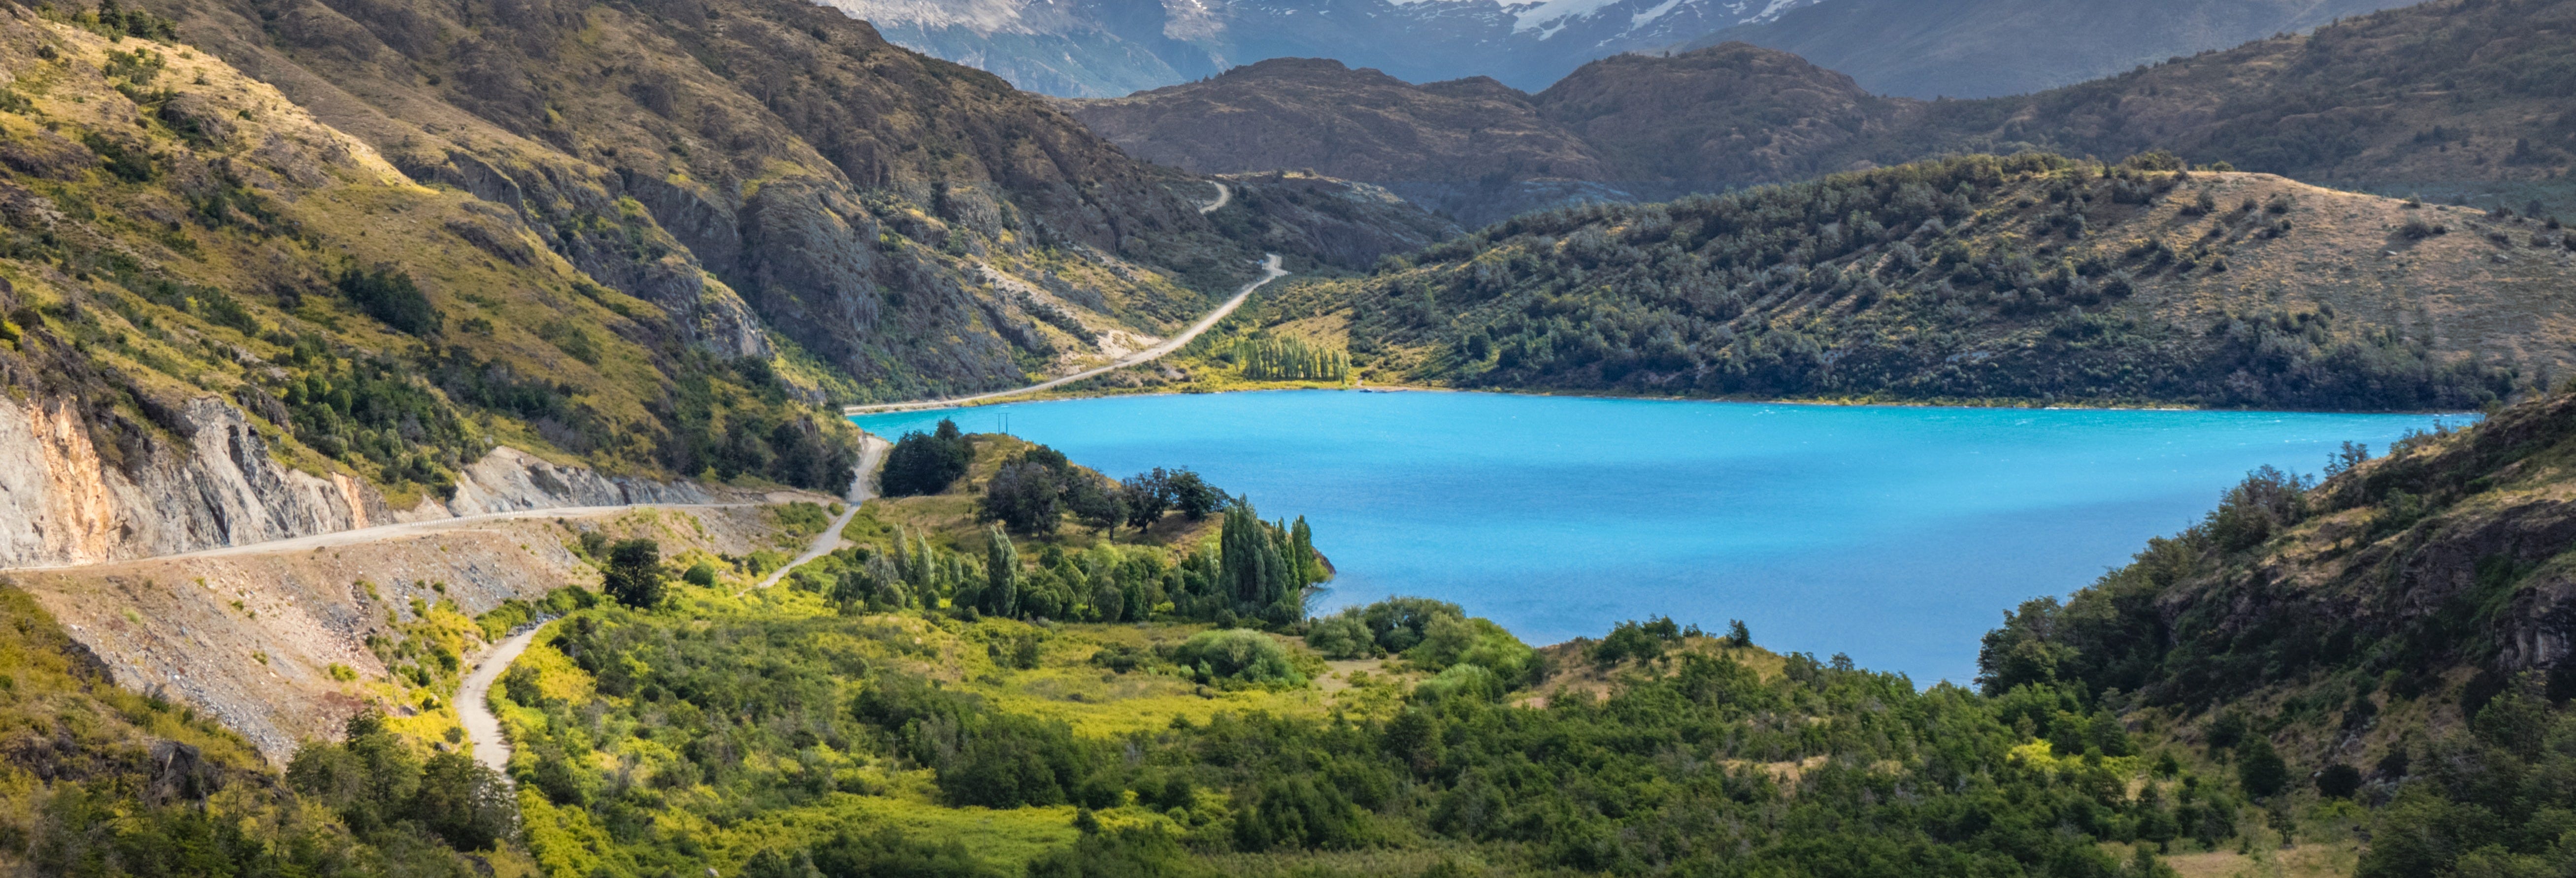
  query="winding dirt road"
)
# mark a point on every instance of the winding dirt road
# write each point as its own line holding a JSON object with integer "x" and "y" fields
{"x": 1270, "y": 271}
{"x": 483, "y": 738}
{"x": 1224, "y": 193}
{"x": 872, "y": 451}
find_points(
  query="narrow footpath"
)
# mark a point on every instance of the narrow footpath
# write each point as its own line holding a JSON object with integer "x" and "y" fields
{"x": 483, "y": 738}
{"x": 1270, "y": 271}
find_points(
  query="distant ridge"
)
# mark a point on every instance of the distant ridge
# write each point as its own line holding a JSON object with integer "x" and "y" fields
{"x": 2454, "y": 99}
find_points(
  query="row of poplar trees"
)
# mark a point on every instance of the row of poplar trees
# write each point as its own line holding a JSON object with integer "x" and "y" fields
{"x": 1258, "y": 571}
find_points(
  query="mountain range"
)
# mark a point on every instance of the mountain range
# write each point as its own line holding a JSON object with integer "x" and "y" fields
{"x": 1968, "y": 48}
{"x": 1990, "y": 48}
{"x": 2449, "y": 99}
{"x": 1106, "y": 48}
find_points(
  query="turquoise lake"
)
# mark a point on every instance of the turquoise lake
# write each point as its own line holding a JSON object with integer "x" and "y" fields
{"x": 1895, "y": 534}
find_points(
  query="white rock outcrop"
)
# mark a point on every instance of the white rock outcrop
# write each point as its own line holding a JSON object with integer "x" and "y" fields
{"x": 60, "y": 504}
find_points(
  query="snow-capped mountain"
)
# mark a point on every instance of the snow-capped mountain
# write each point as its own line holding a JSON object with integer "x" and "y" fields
{"x": 1103, "y": 48}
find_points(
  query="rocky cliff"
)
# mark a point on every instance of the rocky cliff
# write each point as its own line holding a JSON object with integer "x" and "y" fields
{"x": 219, "y": 485}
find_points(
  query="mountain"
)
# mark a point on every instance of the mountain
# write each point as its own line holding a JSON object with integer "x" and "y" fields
{"x": 1619, "y": 129}
{"x": 2450, "y": 99}
{"x": 2029, "y": 278}
{"x": 1987, "y": 48}
{"x": 1474, "y": 147}
{"x": 523, "y": 263}
{"x": 1108, "y": 48}
{"x": 2454, "y": 98}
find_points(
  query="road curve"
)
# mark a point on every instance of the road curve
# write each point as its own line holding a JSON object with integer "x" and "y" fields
{"x": 1224, "y": 193}
{"x": 872, "y": 452}
{"x": 483, "y": 738}
{"x": 1270, "y": 271}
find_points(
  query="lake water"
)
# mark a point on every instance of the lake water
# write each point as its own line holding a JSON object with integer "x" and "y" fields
{"x": 1895, "y": 534}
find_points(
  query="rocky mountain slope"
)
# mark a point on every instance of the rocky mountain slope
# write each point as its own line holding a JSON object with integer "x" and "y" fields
{"x": 1987, "y": 48}
{"x": 1624, "y": 128}
{"x": 277, "y": 270}
{"x": 2026, "y": 278}
{"x": 2451, "y": 99}
{"x": 229, "y": 323}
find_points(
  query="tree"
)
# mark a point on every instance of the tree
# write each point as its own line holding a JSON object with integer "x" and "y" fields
{"x": 2259, "y": 768}
{"x": 1001, "y": 573}
{"x": 1193, "y": 496}
{"x": 1095, "y": 500}
{"x": 1737, "y": 635}
{"x": 634, "y": 574}
{"x": 1147, "y": 496}
{"x": 1025, "y": 496}
{"x": 1301, "y": 552}
{"x": 926, "y": 463}
{"x": 1255, "y": 571}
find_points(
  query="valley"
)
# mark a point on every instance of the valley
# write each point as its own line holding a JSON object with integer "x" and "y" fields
{"x": 657, "y": 437}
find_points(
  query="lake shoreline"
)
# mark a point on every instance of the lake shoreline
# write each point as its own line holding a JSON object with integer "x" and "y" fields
{"x": 1558, "y": 516}
{"x": 1844, "y": 402}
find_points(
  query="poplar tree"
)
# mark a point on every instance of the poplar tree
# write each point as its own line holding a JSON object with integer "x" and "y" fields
{"x": 1254, "y": 572}
{"x": 1001, "y": 573}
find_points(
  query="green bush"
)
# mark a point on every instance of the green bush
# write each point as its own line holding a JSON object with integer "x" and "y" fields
{"x": 1238, "y": 654}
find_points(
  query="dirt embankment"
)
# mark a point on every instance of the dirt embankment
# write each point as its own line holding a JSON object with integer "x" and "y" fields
{"x": 251, "y": 636}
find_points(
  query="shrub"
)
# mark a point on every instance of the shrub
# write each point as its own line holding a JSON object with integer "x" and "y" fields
{"x": 2339, "y": 781}
{"x": 1238, "y": 654}
{"x": 388, "y": 294}
{"x": 1343, "y": 635}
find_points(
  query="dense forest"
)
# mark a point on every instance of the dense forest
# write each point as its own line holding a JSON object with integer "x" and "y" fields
{"x": 2029, "y": 277}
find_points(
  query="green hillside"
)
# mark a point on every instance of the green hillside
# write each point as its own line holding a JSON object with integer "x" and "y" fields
{"x": 2031, "y": 278}
{"x": 175, "y": 230}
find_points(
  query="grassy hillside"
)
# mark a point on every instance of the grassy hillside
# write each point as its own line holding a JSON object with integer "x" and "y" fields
{"x": 98, "y": 780}
{"x": 176, "y": 230}
{"x": 2030, "y": 278}
{"x": 2394, "y": 633}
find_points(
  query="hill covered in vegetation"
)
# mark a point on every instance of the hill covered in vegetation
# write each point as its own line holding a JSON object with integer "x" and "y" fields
{"x": 2359, "y": 674}
{"x": 599, "y": 271}
{"x": 2029, "y": 278}
{"x": 2453, "y": 99}
{"x": 184, "y": 248}
{"x": 2396, "y": 632}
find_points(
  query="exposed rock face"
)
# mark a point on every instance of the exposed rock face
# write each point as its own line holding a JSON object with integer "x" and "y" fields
{"x": 509, "y": 480}
{"x": 188, "y": 628}
{"x": 60, "y": 504}
{"x": 747, "y": 166}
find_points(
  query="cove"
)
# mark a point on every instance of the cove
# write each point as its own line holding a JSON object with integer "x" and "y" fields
{"x": 1897, "y": 535}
